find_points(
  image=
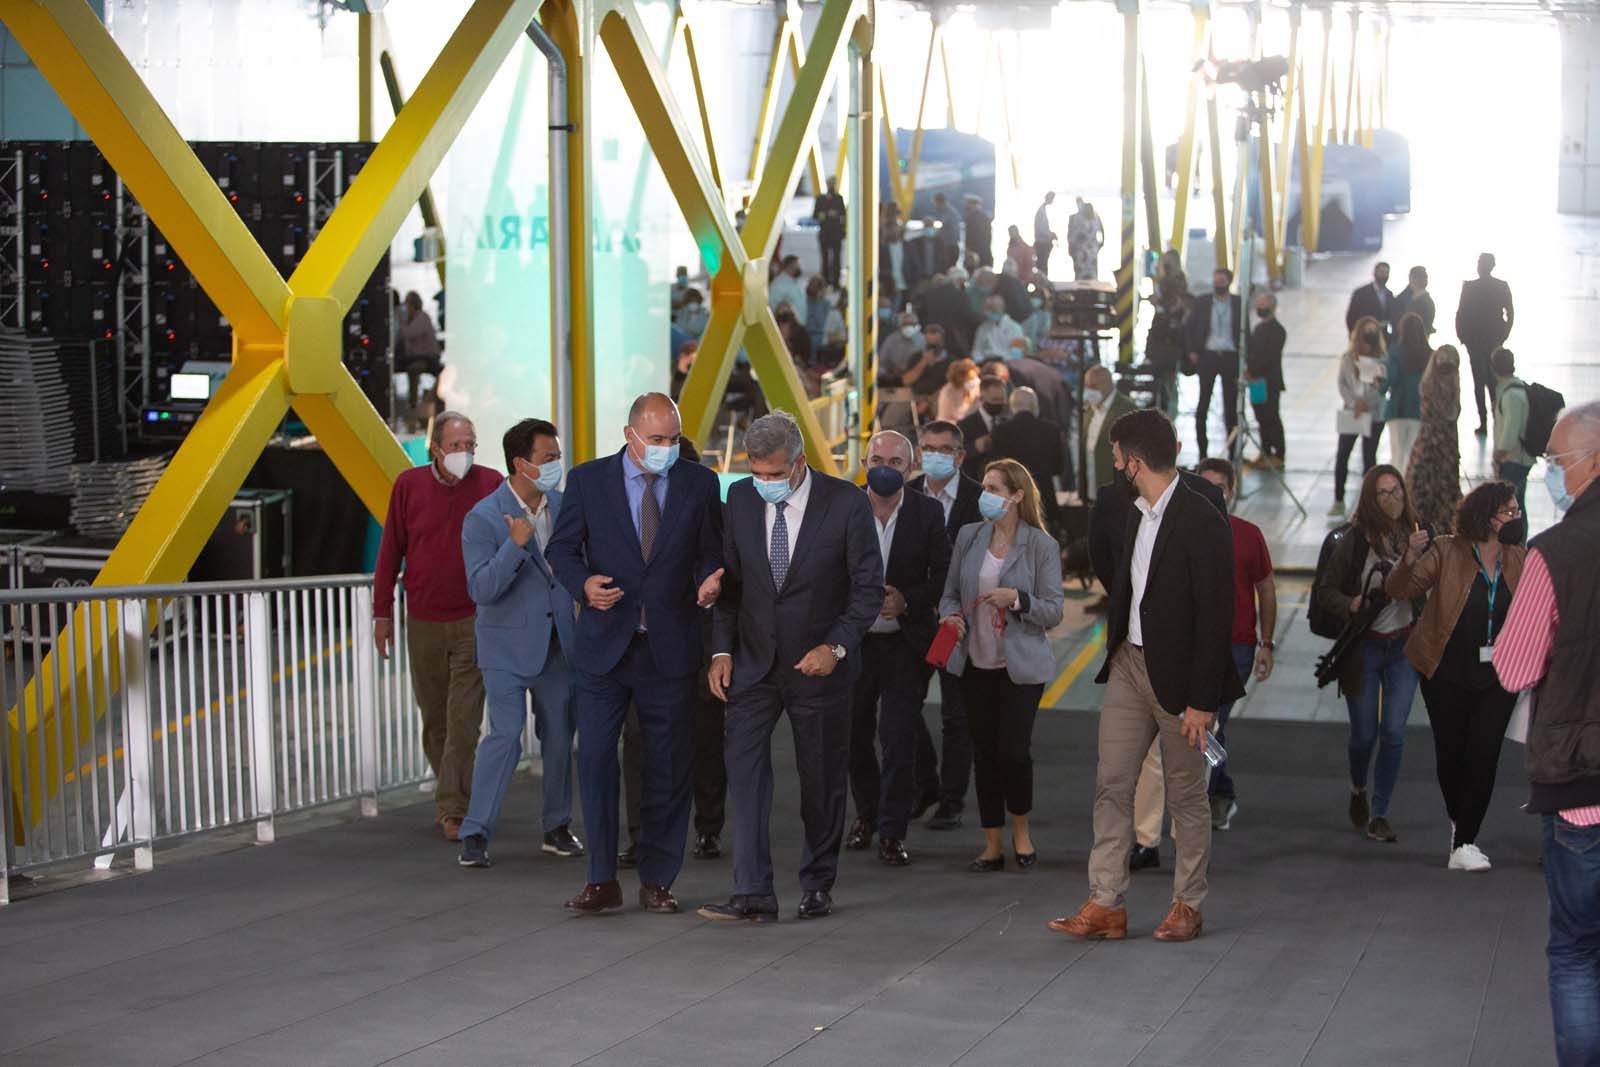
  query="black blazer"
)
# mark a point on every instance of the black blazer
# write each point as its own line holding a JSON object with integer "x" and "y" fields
{"x": 1364, "y": 302}
{"x": 1484, "y": 314}
{"x": 1036, "y": 444}
{"x": 1187, "y": 611}
{"x": 1113, "y": 504}
{"x": 974, "y": 429}
{"x": 965, "y": 508}
{"x": 833, "y": 591}
{"x": 1264, "y": 356}
{"x": 1197, "y": 327}
{"x": 919, "y": 557}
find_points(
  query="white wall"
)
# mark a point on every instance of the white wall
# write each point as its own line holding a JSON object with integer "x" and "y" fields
{"x": 1578, "y": 190}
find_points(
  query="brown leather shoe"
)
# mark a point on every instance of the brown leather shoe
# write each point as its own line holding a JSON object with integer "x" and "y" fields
{"x": 597, "y": 897}
{"x": 658, "y": 899}
{"x": 1181, "y": 924}
{"x": 1094, "y": 922}
{"x": 452, "y": 828}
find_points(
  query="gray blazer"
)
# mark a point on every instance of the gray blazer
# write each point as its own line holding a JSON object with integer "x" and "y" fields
{"x": 1033, "y": 568}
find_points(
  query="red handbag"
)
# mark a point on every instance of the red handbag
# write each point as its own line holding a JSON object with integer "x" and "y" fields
{"x": 944, "y": 643}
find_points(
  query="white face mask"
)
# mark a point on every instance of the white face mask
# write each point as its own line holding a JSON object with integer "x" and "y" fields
{"x": 908, "y": 332}
{"x": 1093, "y": 397}
{"x": 456, "y": 464}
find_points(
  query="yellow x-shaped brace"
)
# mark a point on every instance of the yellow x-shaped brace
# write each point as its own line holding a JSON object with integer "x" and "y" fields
{"x": 788, "y": 48}
{"x": 287, "y": 335}
{"x": 736, "y": 261}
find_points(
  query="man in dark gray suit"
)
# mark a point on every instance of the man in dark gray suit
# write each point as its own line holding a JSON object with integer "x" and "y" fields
{"x": 803, "y": 582}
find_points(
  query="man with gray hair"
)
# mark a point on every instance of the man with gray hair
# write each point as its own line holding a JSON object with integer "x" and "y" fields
{"x": 1033, "y": 442}
{"x": 1547, "y": 645}
{"x": 422, "y": 532}
{"x": 803, "y": 583}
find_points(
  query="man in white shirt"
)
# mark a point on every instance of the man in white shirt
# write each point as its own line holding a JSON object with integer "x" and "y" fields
{"x": 886, "y": 701}
{"x": 787, "y": 288}
{"x": 1169, "y": 665}
{"x": 1000, "y": 336}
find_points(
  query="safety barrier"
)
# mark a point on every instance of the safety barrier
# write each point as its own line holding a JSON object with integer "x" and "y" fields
{"x": 181, "y": 709}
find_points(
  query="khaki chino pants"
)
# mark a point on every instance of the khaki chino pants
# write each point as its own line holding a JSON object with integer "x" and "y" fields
{"x": 449, "y": 692}
{"x": 1130, "y": 719}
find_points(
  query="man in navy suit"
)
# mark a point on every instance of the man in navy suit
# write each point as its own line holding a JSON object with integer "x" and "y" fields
{"x": 638, "y": 544}
{"x": 893, "y": 676}
{"x": 524, "y": 624}
{"x": 804, "y": 582}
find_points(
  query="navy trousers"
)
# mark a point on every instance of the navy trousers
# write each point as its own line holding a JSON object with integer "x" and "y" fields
{"x": 886, "y": 706}
{"x": 821, "y": 727}
{"x": 665, "y": 727}
{"x": 501, "y": 747}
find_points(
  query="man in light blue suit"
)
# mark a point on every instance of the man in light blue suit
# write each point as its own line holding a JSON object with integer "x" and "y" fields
{"x": 525, "y": 622}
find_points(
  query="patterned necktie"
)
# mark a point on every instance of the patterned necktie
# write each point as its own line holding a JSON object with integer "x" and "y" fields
{"x": 649, "y": 516}
{"x": 778, "y": 554}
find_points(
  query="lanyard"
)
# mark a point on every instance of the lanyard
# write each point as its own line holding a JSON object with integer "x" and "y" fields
{"x": 1494, "y": 589}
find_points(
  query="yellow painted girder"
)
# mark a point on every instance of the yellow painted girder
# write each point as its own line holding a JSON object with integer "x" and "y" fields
{"x": 1180, "y": 206}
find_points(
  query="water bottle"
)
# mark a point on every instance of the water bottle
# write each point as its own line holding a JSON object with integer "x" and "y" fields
{"x": 1216, "y": 755}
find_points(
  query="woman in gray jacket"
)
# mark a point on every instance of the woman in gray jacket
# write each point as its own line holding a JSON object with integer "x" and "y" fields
{"x": 1002, "y": 597}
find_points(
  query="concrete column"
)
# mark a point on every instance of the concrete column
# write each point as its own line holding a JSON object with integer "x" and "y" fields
{"x": 1579, "y": 188}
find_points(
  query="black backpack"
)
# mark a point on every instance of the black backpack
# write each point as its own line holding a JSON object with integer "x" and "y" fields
{"x": 1326, "y": 623}
{"x": 1544, "y": 408}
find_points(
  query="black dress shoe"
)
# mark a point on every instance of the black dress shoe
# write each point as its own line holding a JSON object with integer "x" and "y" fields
{"x": 1143, "y": 858}
{"x": 628, "y": 858}
{"x": 707, "y": 847}
{"x": 983, "y": 866}
{"x": 945, "y": 819}
{"x": 815, "y": 903}
{"x": 1026, "y": 860}
{"x": 860, "y": 836}
{"x": 735, "y": 912}
{"x": 926, "y": 801}
{"x": 560, "y": 842}
{"x": 893, "y": 852}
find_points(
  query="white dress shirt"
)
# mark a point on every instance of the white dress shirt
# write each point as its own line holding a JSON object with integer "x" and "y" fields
{"x": 794, "y": 512}
{"x": 1097, "y": 421}
{"x": 881, "y": 625}
{"x": 1143, "y": 546}
{"x": 540, "y": 517}
{"x": 946, "y": 498}
{"x": 993, "y": 339}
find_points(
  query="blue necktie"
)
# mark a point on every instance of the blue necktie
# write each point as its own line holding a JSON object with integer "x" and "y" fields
{"x": 778, "y": 554}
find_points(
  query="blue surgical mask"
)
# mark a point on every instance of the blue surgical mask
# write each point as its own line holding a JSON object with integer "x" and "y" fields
{"x": 1555, "y": 479}
{"x": 996, "y": 316}
{"x": 773, "y": 492}
{"x": 549, "y": 476}
{"x": 992, "y": 505}
{"x": 938, "y": 466}
{"x": 658, "y": 459}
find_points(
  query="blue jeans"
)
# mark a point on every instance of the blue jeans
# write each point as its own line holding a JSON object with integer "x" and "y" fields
{"x": 1572, "y": 879}
{"x": 1244, "y": 658}
{"x": 1387, "y": 679}
{"x": 501, "y": 747}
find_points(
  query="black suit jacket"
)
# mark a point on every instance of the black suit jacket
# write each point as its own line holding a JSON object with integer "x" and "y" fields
{"x": 919, "y": 556}
{"x": 974, "y": 429}
{"x": 1036, "y": 444}
{"x": 1484, "y": 315}
{"x": 1364, "y": 301}
{"x": 1197, "y": 327}
{"x": 1263, "y": 357}
{"x": 1108, "y": 521}
{"x": 949, "y": 307}
{"x": 1187, "y": 612}
{"x": 965, "y": 509}
{"x": 833, "y": 591}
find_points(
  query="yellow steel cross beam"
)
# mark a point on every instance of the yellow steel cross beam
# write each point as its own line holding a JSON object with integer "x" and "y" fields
{"x": 788, "y": 49}
{"x": 287, "y": 336}
{"x": 907, "y": 193}
{"x": 1180, "y": 206}
{"x": 736, "y": 261}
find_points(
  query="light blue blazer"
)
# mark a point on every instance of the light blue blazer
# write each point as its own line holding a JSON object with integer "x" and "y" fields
{"x": 1032, "y": 568}
{"x": 517, "y": 595}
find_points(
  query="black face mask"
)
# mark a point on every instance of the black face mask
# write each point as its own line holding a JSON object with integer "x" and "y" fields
{"x": 1263, "y": 313}
{"x": 1514, "y": 532}
{"x": 1370, "y": 337}
{"x": 1220, "y": 290}
{"x": 995, "y": 409}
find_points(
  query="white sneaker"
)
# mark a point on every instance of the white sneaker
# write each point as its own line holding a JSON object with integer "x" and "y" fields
{"x": 1469, "y": 858}
{"x": 1337, "y": 511}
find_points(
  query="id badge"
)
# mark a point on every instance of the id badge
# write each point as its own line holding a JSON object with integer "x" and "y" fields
{"x": 1486, "y": 654}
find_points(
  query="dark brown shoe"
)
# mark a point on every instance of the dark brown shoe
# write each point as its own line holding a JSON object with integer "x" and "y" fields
{"x": 597, "y": 897}
{"x": 1094, "y": 922}
{"x": 658, "y": 899}
{"x": 451, "y": 827}
{"x": 1181, "y": 924}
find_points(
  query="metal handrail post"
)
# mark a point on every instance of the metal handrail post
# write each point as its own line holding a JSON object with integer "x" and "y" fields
{"x": 366, "y": 701}
{"x": 141, "y": 758}
{"x": 263, "y": 760}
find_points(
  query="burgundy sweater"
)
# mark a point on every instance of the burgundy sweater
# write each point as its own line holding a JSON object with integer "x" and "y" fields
{"x": 423, "y": 530}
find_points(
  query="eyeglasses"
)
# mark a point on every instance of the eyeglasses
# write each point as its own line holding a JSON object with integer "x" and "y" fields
{"x": 943, "y": 450}
{"x": 1510, "y": 513}
{"x": 1391, "y": 494}
{"x": 1572, "y": 455}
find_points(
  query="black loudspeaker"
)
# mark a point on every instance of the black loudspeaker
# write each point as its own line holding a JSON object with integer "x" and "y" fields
{"x": 253, "y": 540}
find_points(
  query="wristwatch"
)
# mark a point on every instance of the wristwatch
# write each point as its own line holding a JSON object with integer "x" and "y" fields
{"x": 837, "y": 650}
{"x": 1268, "y": 645}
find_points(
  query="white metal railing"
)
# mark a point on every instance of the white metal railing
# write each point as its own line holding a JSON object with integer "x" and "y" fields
{"x": 142, "y": 713}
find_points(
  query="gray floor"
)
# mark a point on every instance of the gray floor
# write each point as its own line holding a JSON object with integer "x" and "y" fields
{"x": 363, "y": 943}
